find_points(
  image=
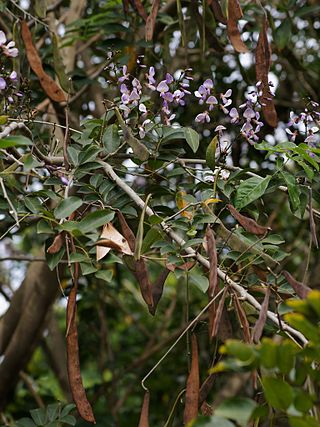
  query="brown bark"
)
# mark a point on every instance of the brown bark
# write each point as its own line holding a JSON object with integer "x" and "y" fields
{"x": 22, "y": 324}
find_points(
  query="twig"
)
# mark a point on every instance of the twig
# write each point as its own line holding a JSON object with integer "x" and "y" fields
{"x": 13, "y": 210}
{"x": 243, "y": 293}
{"x": 194, "y": 321}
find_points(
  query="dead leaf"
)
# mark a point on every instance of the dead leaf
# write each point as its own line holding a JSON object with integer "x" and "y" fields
{"x": 206, "y": 388}
{"x": 193, "y": 384}
{"x": 141, "y": 273}
{"x": 300, "y": 288}
{"x": 126, "y": 231}
{"x": 206, "y": 409}
{"x": 49, "y": 85}
{"x": 73, "y": 363}
{"x": 248, "y": 224}
{"x": 258, "y": 327}
{"x": 144, "y": 416}
{"x": 111, "y": 239}
{"x": 151, "y": 20}
{"x": 217, "y": 12}
{"x": 218, "y": 314}
{"x": 182, "y": 203}
{"x": 140, "y": 8}
{"x": 234, "y": 14}
{"x": 242, "y": 319}
{"x": 57, "y": 244}
{"x": 263, "y": 60}
{"x": 157, "y": 289}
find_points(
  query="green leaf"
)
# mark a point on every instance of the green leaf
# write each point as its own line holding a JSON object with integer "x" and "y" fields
{"x": 236, "y": 408}
{"x": 292, "y": 190}
{"x": 67, "y": 206}
{"x": 303, "y": 422}
{"x": 40, "y": 7}
{"x": 105, "y": 275}
{"x": 278, "y": 393}
{"x": 43, "y": 227}
{"x": 39, "y": 416}
{"x": 89, "y": 153}
{"x": 87, "y": 268}
{"x": 111, "y": 138}
{"x": 238, "y": 349}
{"x": 211, "y": 153}
{"x": 94, "y": 220}
{"x": 283, "y": 34}
{"x": 213, "y": 421}
{"x": 33, "y": 204}
{"x": 53, "y": 411}
{"x": 54, "y": 259}
{"x": 69, "y": 419}
{"x": 192, "y": 138}
{"x": 73, "y": 155}
{"x": 151, "y": 236}
{"x": 200, "y": 281}
{"x": 14, "y": 141}
{"x": 25, "y": 422}
{"x": 67, "y": 409}
{"x": 250, "y": 190}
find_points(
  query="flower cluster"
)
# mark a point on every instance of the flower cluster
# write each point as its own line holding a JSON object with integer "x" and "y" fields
{"x": 174, "y": 91}
{"x": 171, "y": 92}
{"x": 8, "y": 78}
{"x": 9, "y": 48}
{"x": 306, "y": 124}
{"x": 206, "y": 97}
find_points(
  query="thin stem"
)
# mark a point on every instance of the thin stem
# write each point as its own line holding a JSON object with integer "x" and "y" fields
{"x": 191, "y": 324}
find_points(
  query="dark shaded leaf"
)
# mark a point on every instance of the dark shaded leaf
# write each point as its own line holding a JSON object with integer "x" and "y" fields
{"x": 57, "y": 244}
{"x": 242, "y": 319}
{"x": 248, "y": 224}
{"x": 258, "y": 327}
{"x": 73, "y": 363}
{"x": 151, "y": 20}
{"x": 144, "y": 416}
{"x": 234, "y": 14}
{"x": 48, "y": 84}
{"x": 192, "y": 389}
{"x": 218, "y": 314}
{"x": 300, "y": 288}
{"x": 263, "y": 59}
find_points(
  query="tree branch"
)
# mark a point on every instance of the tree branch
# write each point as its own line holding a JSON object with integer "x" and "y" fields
{"x": 242, "y": 292}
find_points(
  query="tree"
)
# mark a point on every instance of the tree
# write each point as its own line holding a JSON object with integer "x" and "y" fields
{"x": 161, "y": 194}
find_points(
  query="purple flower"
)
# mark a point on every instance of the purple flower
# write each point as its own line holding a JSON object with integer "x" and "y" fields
{"x": 202, "y": 93}
{"x": 3, "y": 83}
{"x": 168, "y": 96}
{"x": 169, "y": 78}
{"x": 225, "y": 96}
{"x": 293, "y": 135}
{"x": 142, "y": 108}
{"x": 220, "y": 128}
{"x": 178, "y": 95}
{"x": 249, "y": 113}
{"x": 64, "y": 180}
{"x": 13, "y": 75}
{"x": 151, "y": 81}
{"x": 203, "y": 117}
{"x": 234, "y": 115}
{"x": 211, "y": 101}
{"x": 8, "y": 49}
{"x": 162, "y": 87}
{"x": 208, "y": 84}
{"x": 125, "y": 75}
{"x": 224, "y": 107}
{"x": 134, "y": 96}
